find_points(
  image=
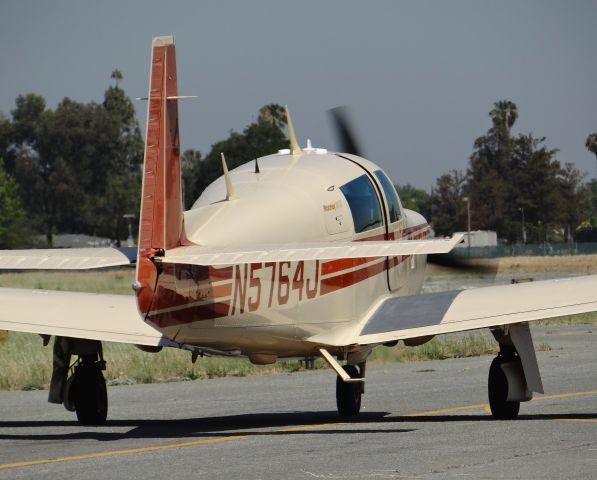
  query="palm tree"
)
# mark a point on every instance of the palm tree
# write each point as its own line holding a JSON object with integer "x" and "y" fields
{"x": 504, "y": 114}
{"x": 116, "y": 75}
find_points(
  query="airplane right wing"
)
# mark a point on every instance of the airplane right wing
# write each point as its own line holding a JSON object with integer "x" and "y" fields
{"x": 400, "y": 318}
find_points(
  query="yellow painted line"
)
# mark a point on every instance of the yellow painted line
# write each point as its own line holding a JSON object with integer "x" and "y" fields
{"x": 485, "y": 406}
{"x": 445, "y": 410}
{"x": 230, "y": 438}
{"x": 154, "y": 448}
{"x": 307, "y": 427}
{"x": 122, "y": 452}
{"x": 566, "y": 395}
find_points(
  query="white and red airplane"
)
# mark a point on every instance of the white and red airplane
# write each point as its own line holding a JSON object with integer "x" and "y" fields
{"x": 303, "y": 253}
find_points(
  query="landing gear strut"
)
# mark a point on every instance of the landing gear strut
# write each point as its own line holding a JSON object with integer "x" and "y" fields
{"x": 348, "y": 395}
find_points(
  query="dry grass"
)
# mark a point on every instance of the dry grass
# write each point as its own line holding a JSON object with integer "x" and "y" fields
{"x": 566, "y": 264}
{"x": 27, "y": 365}
{"x": 114, "y": 280}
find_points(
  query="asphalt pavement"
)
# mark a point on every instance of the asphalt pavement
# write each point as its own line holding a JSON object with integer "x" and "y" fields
{"x": 419, "y": 420}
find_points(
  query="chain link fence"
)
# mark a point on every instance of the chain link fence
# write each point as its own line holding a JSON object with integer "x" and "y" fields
{"x": 529, "y": 250}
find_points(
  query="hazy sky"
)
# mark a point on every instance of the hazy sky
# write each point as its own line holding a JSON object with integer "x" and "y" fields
{"x": 420, "y": 76}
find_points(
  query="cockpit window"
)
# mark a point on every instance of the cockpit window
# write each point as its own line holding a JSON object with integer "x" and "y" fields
{"x": 364, "y": 205}
{"x": 391, "y": 196}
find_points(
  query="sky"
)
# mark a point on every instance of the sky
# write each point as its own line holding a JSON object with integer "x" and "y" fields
{"x": 418, "y": 76}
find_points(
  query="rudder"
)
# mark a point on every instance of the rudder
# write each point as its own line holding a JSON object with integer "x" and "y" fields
{"x": 161, "y": 218}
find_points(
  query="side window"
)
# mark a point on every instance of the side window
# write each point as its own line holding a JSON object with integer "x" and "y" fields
{"x": 364, "y": 204}
{"x": 391, "y": 196}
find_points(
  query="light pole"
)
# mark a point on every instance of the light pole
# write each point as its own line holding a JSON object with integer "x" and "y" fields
{"x": 468, "y": 223}
{"x": 129, "y": 240}
{"x": 524, "y": 230}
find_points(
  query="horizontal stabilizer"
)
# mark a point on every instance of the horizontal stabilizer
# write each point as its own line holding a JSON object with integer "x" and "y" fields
{"x": 113, "y": 318}
{"x": 62, "y": 258}
{"x": 400, "y": 318}
{"x": 198, "y": 255}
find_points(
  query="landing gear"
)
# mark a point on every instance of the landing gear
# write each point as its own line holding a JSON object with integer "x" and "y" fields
{"x": 84, "y": 390}
{"x": 348, "y": 395}
{"x": 504, "y": 399}
{"x": 87, "y": 393}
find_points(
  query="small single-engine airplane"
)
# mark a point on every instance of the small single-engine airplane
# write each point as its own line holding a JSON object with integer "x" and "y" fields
{"x": 304, "y": 253}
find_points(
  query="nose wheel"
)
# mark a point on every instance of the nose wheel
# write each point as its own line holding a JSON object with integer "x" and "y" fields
{"x": 348, "y": 395}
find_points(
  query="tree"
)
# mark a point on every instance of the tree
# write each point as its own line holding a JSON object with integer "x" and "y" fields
{"x": 504, "y": 114}
{"x": 116, "y": 75}
{"x": 414, "y": 199}
{"x": 122, "y": 191}
{"x": 12, "y": 216}
{"x": 273, "y": 113}
{"x": 509, "y": 175}
{"x": 448, "y": 208}
{"x": 190, "y": 164}
{"x": 257, "y": 140}
{"x": 591, "y": 143}
{"x": 80, "y": 163}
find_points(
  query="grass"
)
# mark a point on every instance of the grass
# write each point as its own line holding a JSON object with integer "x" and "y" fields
{"x": 580, "y": 319}
{"x": 114, "y": 280}
{"x": 26, "y": 364}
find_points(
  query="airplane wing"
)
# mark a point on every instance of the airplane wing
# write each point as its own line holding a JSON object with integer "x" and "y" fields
{"x": 93, "y": 316}
{"x": 399, "y": 318}
{"x": 63, "y": 258}
{"x": 198, "y": 255}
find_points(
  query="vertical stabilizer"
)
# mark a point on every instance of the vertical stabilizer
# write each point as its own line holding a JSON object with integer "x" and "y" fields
{"x": 161, "y": 219}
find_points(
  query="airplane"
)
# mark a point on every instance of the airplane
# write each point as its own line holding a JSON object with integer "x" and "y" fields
{"x": 304, "y": 253}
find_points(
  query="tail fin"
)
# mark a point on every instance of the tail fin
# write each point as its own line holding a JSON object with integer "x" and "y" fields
{"x": 161, "y": 222}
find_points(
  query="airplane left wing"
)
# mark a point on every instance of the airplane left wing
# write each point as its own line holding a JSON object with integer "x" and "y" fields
{"x": 400, "y": 318}
{"x": 113, "y": 318}
{"x": 205, "y": 255}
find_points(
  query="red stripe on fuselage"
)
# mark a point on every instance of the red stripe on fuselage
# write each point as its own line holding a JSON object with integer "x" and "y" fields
{"x": 344, "y": 280}
{"x": 193, "y": 313}
{"x": 192, "y": 286}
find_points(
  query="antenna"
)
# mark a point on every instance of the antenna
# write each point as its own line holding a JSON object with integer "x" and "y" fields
{"x": 294, "y": 146}
{"x": 230, "y": 194}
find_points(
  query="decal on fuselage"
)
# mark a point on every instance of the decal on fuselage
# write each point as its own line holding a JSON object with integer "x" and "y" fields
{"x": 273, "y": 284}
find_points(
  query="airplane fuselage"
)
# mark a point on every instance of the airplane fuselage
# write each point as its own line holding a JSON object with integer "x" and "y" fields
{"x": 271, "y": 309}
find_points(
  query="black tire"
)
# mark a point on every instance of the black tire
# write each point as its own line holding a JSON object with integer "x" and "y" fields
{"x": 89, "y": 395}
{"x": 348, "y": 395}
{"x": 497, "y": 389}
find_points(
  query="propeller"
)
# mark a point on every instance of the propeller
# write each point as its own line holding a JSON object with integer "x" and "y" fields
{"x": 344, "y": 131}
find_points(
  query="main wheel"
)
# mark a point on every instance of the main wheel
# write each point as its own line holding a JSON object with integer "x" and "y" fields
{"x": 497, "y": 388}
{"x": 348, "y": 395}
{"x": 89, "y": 395}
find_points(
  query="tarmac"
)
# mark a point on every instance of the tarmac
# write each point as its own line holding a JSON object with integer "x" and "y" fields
{"x": 419, "y": 420}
